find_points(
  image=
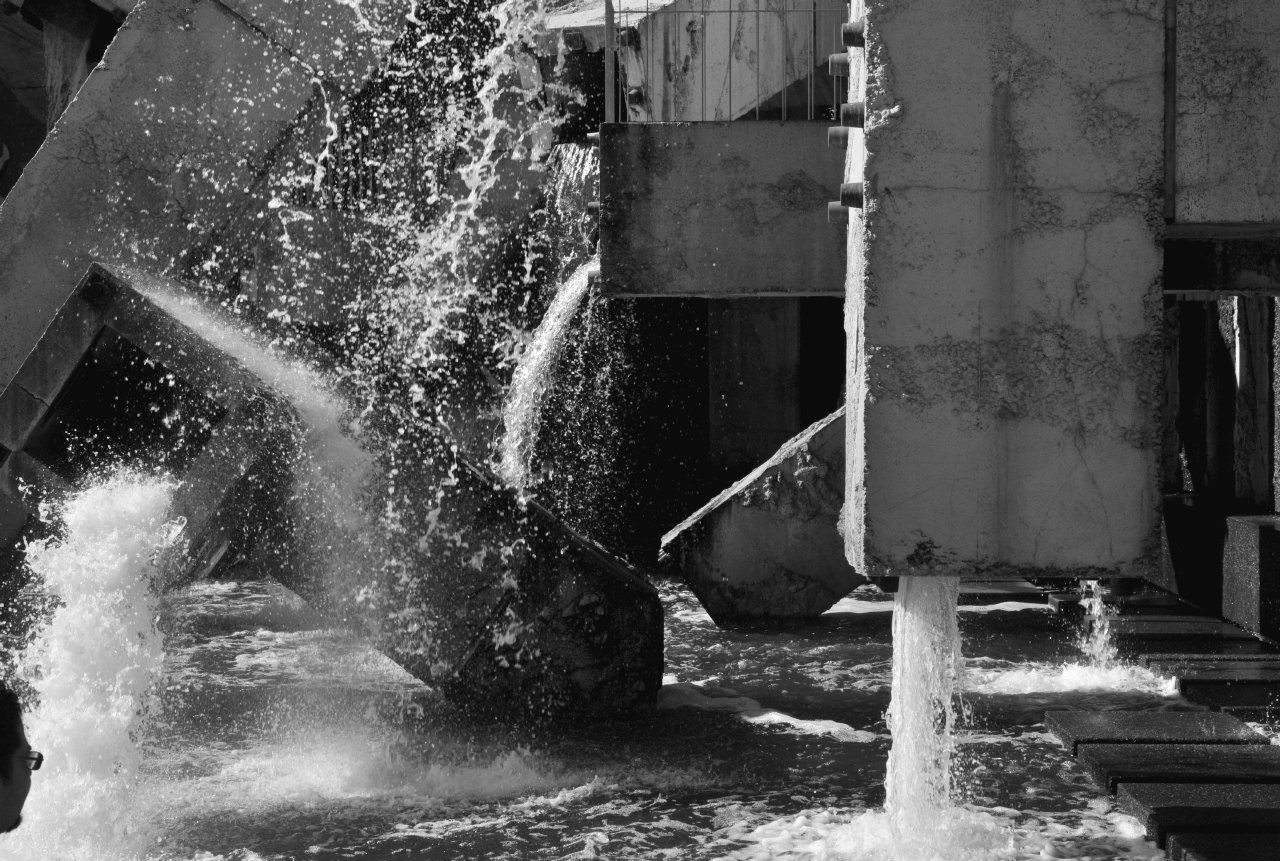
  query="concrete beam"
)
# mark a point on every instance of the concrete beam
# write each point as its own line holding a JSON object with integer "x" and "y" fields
{"x": 167, "y": 141}
{"x": 1003, "y": 294}
{"x": 718, "y": 209}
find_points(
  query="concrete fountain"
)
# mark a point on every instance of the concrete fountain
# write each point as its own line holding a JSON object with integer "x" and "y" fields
{"x": 1005, "y": 188}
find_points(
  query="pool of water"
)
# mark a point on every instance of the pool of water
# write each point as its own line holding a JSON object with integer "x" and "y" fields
{"x": 275, "y": 738}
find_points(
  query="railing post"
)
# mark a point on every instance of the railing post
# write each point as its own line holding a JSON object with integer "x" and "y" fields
{"x": 610, "y": 86}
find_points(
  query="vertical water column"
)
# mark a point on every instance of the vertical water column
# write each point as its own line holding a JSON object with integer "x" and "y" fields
{"x": 926, "y": 667}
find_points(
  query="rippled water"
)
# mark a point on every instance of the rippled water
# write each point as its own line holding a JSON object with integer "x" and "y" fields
{"x": 278, "y": 739}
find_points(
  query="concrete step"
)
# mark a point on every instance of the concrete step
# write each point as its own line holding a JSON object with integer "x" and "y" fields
{"x": 1146, "y": 650}
{"x": 1193, "y": 659}
{"x": 1112, "y": 764}
{"x": 1074, "y": 728}
{"x": 1164, "y": 626}
{"x": 1167, "y": 808}
{"x": 1224, "y": 847}
{"x": 1253, "y": 685}
{"x": 1224, "y": 664}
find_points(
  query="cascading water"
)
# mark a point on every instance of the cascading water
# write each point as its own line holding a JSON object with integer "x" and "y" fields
{"x": 522, "y": 412}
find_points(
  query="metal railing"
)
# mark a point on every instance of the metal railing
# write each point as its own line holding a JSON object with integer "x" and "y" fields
{"x": 764, "y": 58}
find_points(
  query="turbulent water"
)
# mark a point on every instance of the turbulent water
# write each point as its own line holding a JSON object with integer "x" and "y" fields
{"x": 271, "y": 736}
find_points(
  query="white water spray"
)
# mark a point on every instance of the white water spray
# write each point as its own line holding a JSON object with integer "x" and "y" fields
{"x": 93, "y": 666}
{"x": 1095, "y": 639}
{"x": 522, "y": 412}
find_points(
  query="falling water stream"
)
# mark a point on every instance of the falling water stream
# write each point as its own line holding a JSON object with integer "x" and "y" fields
{"x": 522, "y": 412}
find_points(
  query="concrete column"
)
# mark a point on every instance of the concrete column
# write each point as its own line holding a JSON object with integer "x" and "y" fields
{"x": 1003, "y": 309}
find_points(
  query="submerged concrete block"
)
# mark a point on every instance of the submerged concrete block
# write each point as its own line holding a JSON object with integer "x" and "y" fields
{"x": 525, "y": 618}
{"x": 123, "y": 384}
{"x": 1251, "y": 574}
{"x": 769, "y": 547}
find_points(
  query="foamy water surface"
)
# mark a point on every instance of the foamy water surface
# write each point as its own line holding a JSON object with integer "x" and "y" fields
{"x": 268, "y": 736}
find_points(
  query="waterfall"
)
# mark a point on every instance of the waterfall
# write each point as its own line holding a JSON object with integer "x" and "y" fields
{"x": 926, "y": 668}
{"x": 522, "y": 412}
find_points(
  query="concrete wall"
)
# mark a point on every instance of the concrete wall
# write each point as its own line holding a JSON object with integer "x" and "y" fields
{"x": 164, "y": 145}
{"x": 1228, "y": 96}
{"x": 718, "y": 209}
{"x": 1004, "y": 290}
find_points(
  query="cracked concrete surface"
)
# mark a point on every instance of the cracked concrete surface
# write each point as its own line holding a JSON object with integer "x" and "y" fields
{"x": 1006, "y": 299}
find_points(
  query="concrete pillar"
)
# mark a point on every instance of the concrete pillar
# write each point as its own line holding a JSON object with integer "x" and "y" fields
{"x": 1003, "y": 301}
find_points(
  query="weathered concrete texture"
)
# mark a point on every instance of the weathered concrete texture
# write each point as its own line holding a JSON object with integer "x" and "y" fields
{"x": 1193, "y": 807}
{"x": 1228, "y": 158}
{"x": 1251, "y": 560}
{"x": 768, "y": 547}
{"x": 1004, "y": 315}
{"x": 1074, "y": 728}
{"x": 115, "y": 379}
{"x": 718, "y": 209}
{"x": 708, "y": 60}
{"x": 161, "y": 149}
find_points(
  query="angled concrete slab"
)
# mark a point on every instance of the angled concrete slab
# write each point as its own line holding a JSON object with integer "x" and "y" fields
{"x": 1074, "y": 728}
{"x": 1164, "y": 808}
{"x": 768, "y": 546}
{"x": 166, "y": 145}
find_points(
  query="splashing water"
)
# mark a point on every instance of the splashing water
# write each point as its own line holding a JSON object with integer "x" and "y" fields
{"x": 522, "y": 412}
{"x": 1095, "y": 639}
{"x": 93, "y": 666}
{"x": 335, "y": 469}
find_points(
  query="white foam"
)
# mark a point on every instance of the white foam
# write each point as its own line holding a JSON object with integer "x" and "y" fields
{"x": 1008, "y": 678}
{"x": 93, "y": 666}
{"x": 711, "y": 697}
